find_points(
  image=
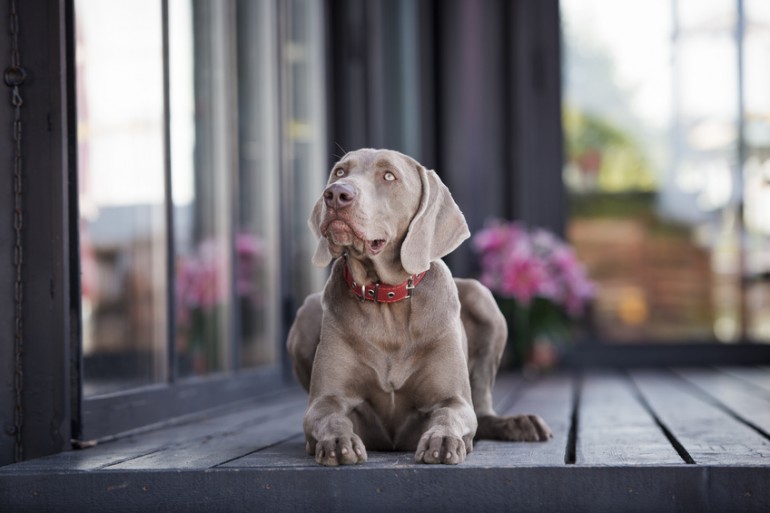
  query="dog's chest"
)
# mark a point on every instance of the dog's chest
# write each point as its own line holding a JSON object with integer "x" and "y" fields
{"x": 393, "y": 373}
{"x": 393, "y": 366}
{"x": 395, "y": 351}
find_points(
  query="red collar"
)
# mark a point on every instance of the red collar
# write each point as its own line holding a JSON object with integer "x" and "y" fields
{"x": 380, "y": 292}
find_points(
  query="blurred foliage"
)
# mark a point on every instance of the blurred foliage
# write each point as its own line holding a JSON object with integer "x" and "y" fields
{"x": 636, "y": 205}
{"x": 608, "y": 158}
{"x": 641, "y": 206}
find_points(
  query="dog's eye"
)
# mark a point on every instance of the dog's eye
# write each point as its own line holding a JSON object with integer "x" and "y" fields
{"x": 390, "y": 176}
{"x": 339, "y": 172}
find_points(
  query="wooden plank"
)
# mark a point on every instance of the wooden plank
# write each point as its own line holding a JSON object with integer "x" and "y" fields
{"x": 549, "y": 397}
{"x": 118, "y": 413}
{"x": 497, "y": 476}
{"x": 139, "y": 445}
{"x": 504, "y": 391}
{"x": 291, "y": 453}
{"x": 708, "y": 434}
{"x": 758, "y": 376}
{"x": 750, "y": 403}
{"x": 614, "y": 428}
{"x": 221, "y": 447}
{"x": 431, "y": 488}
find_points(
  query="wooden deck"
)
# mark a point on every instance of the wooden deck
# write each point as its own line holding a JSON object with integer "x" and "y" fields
{"x": 665, "y": 440}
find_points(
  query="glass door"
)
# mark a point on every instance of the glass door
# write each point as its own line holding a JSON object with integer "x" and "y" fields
{"x": 666, "y": 108}
{"x": 178, "y": 172}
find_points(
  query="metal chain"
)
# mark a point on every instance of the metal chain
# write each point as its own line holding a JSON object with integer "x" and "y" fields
{"x": 14, "y": 77}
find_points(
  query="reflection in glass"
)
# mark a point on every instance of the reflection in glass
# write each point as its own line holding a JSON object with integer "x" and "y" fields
{"x": 201, "y": 169}
{"x": 652, "y": 124}
{"x": 256, "y": 240}
{"x": 120, "y": 176}
{"x": 756, "y": 184}
{"x": 225, "y": 183}
{"x": 305, "y": 137}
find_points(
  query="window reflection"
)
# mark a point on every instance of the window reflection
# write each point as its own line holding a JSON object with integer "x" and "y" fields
{"x": 225, "y": 183}
{"x": 121, "y": 185}
{"x": 664, "y": 170}
{"x": 256, "y": 243}
{"x": 201, "y": 92}
{"x": 756, "y": 186}
{"x": 218, "y": 162}
{"x": 305, "y": 137}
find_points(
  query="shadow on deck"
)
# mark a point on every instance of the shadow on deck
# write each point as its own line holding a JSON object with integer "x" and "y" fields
{"x": 673, "y": 440}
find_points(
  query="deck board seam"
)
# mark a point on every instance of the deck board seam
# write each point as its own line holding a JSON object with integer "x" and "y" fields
{"x": 268, "y": 446}
{"x": 705, "y": 396}
{"x": 680, "y": 449}
{"x": 570, "y": 451}
{"x": 745, "y": 381}
{"x": 233, "y": 429}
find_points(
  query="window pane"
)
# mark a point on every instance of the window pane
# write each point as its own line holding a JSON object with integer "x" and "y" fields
{"x": 305, "y": 121}
{"x": 121, "y": 180}
{"x": 651, "y": 123}
{"x": 257, "y": 245}
{"x": 757, "y": 167}
{"x": 202, "y": 163}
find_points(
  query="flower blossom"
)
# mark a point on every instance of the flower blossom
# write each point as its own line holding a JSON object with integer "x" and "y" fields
{"x": 524, "y": 264}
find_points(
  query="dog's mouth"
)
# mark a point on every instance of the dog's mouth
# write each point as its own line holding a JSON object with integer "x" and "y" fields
{"x": 376, "y": 246}
{"x": 340, "y": 233}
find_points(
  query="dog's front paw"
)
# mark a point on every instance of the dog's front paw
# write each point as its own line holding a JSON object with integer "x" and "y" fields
{"x": 346, "y": 450}
{"x": 520, "y": 428}
{"x": 439, "y": 448}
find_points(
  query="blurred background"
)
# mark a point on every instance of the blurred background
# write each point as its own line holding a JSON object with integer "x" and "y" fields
{"x": 639, "y": 130}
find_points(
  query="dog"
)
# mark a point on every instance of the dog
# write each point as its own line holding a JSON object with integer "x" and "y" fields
{"x": 395, "y": 353}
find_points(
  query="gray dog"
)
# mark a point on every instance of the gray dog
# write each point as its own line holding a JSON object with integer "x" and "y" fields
{"x": 395, "y": 353}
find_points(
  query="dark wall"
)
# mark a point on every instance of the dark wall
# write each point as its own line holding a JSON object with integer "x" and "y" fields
{"x": 45, "y": 315}
{"x": 6, "y": 267}
{"x": 474, "y": 132}
{"x": 537, "y": 191}
{"x": 381, "y": 77}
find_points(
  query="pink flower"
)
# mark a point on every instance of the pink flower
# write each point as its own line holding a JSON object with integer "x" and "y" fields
{"x": 497, "y": 236}
{"x": 522, "y": 264}
{"x": 250, "y": 252}
{"x": 524, "y": 277}
{"x": 203, "y": 277}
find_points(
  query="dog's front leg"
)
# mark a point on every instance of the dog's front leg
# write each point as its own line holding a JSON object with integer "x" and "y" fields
{"x": 329, "y": 433}
{"x": 449, "y": 436}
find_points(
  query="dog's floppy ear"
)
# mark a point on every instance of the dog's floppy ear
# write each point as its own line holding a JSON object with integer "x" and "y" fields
{"x": 323, "y": 254}
{"x": 437, "y": 228}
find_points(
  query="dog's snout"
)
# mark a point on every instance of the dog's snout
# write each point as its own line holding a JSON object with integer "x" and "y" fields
{"x": 338, "y": 195}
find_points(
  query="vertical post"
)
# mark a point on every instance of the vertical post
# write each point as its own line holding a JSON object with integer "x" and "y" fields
{"x": 740, "y": 32}
{"x": 169, "y": 203}
{"x": 233, "y": 111}
{"x": 538, "y": 193}
{"x": 46, "y": 358}
{"x": 76, "y": 317}
{"x": 289, "y": 303}
{"x": 7, "y": 272}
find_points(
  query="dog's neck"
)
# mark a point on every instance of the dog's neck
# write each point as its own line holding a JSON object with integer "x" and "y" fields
{"x": 386, "y": 268}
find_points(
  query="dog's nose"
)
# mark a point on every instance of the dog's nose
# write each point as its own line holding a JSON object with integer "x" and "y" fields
{"x": 339, "y": 195}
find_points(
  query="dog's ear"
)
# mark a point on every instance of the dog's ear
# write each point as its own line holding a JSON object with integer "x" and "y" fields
{"x": 437, "y": 228}
{"x": 323, "y": 254}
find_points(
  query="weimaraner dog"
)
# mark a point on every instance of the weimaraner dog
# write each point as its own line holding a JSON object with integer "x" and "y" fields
{"x": 395, "y": 353}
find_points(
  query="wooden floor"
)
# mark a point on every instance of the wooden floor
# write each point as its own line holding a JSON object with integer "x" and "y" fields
{"x": 665, "y": 440}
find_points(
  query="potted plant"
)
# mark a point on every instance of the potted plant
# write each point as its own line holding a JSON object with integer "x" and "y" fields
{"x": 541, "y": 288}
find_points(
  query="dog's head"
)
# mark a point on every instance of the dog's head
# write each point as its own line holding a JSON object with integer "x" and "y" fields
{"x": 383, "y": 204}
